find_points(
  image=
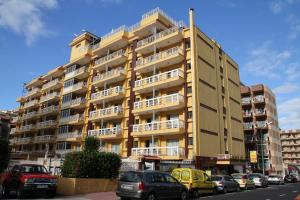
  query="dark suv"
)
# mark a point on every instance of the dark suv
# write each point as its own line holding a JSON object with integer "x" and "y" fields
{"x": 150, "y": 185}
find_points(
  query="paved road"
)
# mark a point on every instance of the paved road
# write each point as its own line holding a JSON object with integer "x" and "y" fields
{"x": 282, "y": 192}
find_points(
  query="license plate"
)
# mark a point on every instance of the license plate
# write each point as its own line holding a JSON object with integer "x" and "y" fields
{"x": 127, "y": 187}
{"x": 42, "y": 186}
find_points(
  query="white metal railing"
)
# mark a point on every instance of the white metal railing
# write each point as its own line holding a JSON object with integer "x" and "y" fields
{"x": 51, "y": 83}
{"x": 163, "y": 100}
{"x": 106, "y": 111}
{"x": 158, "y": 56}
{"x": 29, "y": 115}
{"x": 49, "y": 96}
{"x": 27, "y": 127}
{"x": 260, "y": 111}
{"x": 108, "y": 74}
{"x": 259, "y": 98}
{"x": 158, "y": 125}
{"x": 77, "y": 117}
{"x": 65, "y": 151}
{"x": 105, "y": 131}
{"x": 247, "y": 113}
{"x": 108, "y": 92}
{"x": 23, "y": 140}
{"x": 31, "y": 92}
{"x": 158, "y": 151}
{"x": 79, "y": 100}
{"x": 48, "y": 109}
{"x": 248, "y": 125}
{"x": 261, "y": 124}
{"x": 76, "y": 72}
{"x": 75, "y": 87}
{"x": 157, "y": 36}
{"x": 246, "y": 100}
{"x": 74, "y": 134}
{"x": 31, "y": 103}
{"x": 46, "y": 124}
{"x": 12, "y": 130}
{"x": 111, "y": 56}
{"x": 159, "y": 77}
{"x": 43, "y": 138}
{"x": 113, "y": 31}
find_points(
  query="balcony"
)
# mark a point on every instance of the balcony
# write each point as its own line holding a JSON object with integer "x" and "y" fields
{"x": 49, "y": 110}
{"x": 114, "y": 93}
{"x": 160, "y": 81}
{"x": 174, "y": 126}
{"x": 79, "y": 73}
{"x": 106, "y": 133}
{"x": 259, "y": 99}
{"x": 65, "y": 151}
{"x": 247, "y": 114}
{"x": 46, "y": 124}
{"x": 108, "y": 77}
{"x": 25, "y": 140}
{"x": 248, "y": 126}
{"x": 50, "y": 97}
{"x": 27, "y": 128}
{"x": 246, "y": 101}
{"x": 261, "y": 125}
{"x": 73, "y": 119}
{"x": 12, "y": 131}
{"x": 79, "y": 87}
{"x": 44, "y": 138}
{"x": 159, "y": 60}
{"x": 30, "y": 115}
{"x": 31, "y": 104}
{"x": 75, "y": 103}
{"x": 106, "y": 113}
{"x": 260, "y": 113}
{"x": 117, "y": 58}
{"x": 33, "y": 93}
{"x": 163, "y": 152}
{"x": 70, "y": 136}
{"x": 52, "y": 85}
{"x": 163, "y": 103}
{"x": 167, "y": 37}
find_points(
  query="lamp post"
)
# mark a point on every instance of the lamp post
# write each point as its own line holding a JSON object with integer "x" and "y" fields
{"x": 262, "y": 149}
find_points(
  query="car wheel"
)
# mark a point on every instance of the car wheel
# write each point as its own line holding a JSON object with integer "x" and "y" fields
{"x": 151, "y": 196}
{"x": 195, "y": 194}
{"x": 224, "y": 190}
{"x": 183, "y": 195}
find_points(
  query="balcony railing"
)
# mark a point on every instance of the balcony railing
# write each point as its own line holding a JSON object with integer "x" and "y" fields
{"x": 159, "y": 77}
{"x": 159, "y": 125}
{"x": 69, "y": 135}
{"x": 65, "y": 151}
{"x": 109, "y": 57}
{"x": 248, "y": 126}
{"x": 24, "y": 140}
{"x": 157, "y": 36}
{"x": 31, "y": 92}
{"x": 108, "y": 92}
{"x": 72, "y": 118}
{"x": 27, "y": 127}
{"x": 259, "y": 99}
{"x": 158, "y": 151}
{"x": 74, "y": 87}
{"x": 30, "y": 115}
{"x": 164, "y": 100}
{"x": 48, "y": 109}
{"x": 12, "y": 130}
{"x": 31, "y": 103}
{"x": 73, "y": 102}
{"x": 246, "y": 101}
{"x": 46, "y": 124}
{"x": 76, "y": 72}
{"x": 51, "y": 84}
{"x": 261, "y": 124}
{"x": 260, "y": 112}
{"x": 49, "y": 96}
{"x": 106, "y": 112}
{"x": 44, "y": 138}
{"x": 164, "y": 54}
{"x": 108, "y": 74}
{"x": 106, "y": 131}
{"x": 247, "y": 114}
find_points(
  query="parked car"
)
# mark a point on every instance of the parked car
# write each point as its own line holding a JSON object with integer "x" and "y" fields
{"x": 196, "y": 181}
{"x": 29, "y": 178}
{"x": 259, "y": 179}
{"x": 150, "y": 185}
{"x": 290, "y": 178}
{"x": 244, "y": 181}
{"x": 225, "y": 183}
{"x": 275, "y": 179}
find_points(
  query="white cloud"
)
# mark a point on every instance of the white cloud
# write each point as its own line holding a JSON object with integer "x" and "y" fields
{"x": 292, "y": 71}
{"x": 286, "y": 88}
{"x": 289, "y": 113}
{"x": 24, "y": 17}
{"x": 264, "y": 61}
{"x": 294, "y": 25}
{"x": 277, "y": 6}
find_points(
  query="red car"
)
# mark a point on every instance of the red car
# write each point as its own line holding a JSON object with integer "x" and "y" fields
{"x": 28, "y": 179}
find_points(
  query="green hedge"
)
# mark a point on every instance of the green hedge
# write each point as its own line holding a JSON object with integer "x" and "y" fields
{"x": 91, "y": 163}
{"x": 4, "y": 154}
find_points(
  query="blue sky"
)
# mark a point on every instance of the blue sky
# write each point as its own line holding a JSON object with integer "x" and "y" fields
{"x": 262, "y": 36}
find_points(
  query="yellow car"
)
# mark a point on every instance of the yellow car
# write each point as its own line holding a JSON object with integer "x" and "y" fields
{"x": 244, "y": 181}
{"x": 196, "y": 181}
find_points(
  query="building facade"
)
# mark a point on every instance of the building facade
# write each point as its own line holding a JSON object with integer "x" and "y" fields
{"x": 158, "y": 91}
{"x": 261, "y": 128}
{"x": 290, "y": 142}
{"x": 7, "y": 123}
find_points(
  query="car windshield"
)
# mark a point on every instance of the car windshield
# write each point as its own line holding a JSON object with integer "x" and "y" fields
{"x": 255, "y": 176}
{"x": 131, "y": 177}
{"x": 33, "y": 169}
{"x": 216, "y": 178}
{"x": 237, "y": 176}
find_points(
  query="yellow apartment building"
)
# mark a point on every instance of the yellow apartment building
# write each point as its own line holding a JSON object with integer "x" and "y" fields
{"x": 157, "y": 92}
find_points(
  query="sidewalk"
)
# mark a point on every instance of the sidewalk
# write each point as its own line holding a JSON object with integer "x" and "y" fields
{"x": 94, "y": 196}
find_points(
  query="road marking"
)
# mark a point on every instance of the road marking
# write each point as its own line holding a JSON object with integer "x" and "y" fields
{"x": 295, "y": 191}
{"x": 268, "y": 199}
{"x": 282, "y": 195}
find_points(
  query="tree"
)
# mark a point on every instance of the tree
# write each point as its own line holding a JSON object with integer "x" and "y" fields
{"x": 4, "y": 155}
{"x": 91, "y": 144}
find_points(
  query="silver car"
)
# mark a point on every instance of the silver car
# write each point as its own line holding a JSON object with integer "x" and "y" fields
{"x": 259, "y": 179}
{"x": 275, "y": 179}
{"x": 225, "y": 183}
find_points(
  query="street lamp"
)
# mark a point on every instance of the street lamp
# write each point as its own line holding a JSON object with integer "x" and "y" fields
{"x": 262, "y": 149}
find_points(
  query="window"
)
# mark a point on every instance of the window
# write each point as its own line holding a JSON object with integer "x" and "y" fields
{"x": 189, "y": 66}
{"x": 129, "y": 83}
{"x": 170, "y": 179}
{"x": 63, "y": 129}
{"x": 65, "y": 113}
{"x": 190, "y": 141}
{"x": 190, "y": 114}
{"x": 176, "y": 174}
{"x": 135, "y": 144}
{"x": 67, "y": 98}
{"x": 71, "y": 69}
{"x": 128, "y": 102}
{"x": 189, "y": 90}
{"x": 127, "y": 123}
{"x": 158, "y": 178}
{"x": 185, "y": 175}
{"x": 188, "y": 44}
{"x": 69, "y": 83}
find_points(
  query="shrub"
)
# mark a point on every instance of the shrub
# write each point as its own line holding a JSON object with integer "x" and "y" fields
{"x": 4, "y": 154}
{"x": 91, "y": 163}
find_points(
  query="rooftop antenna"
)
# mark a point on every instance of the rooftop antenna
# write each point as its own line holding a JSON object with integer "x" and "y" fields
{"x": 75, "y": 34}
